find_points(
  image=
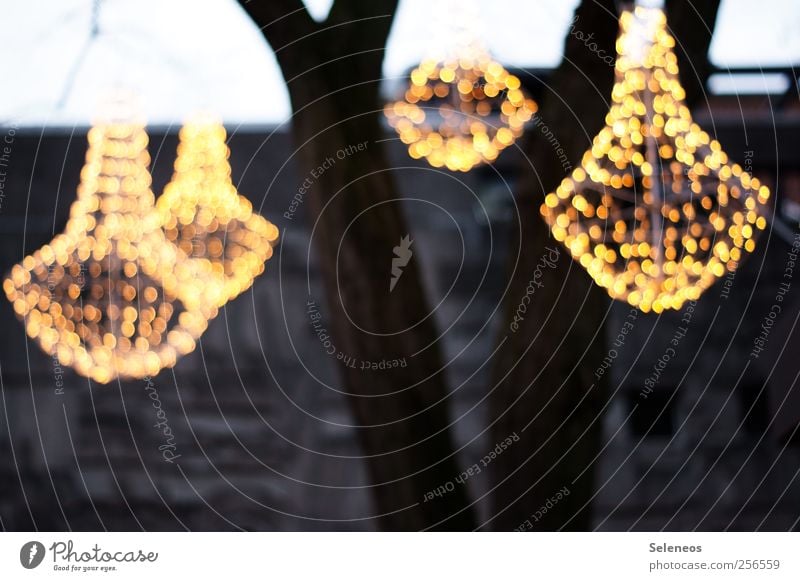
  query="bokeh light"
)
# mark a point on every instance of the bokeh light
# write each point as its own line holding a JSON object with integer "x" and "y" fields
{"x": 226, "y": 242}
{"x": 461, "y": 112}
{"x": 103, "y": 296}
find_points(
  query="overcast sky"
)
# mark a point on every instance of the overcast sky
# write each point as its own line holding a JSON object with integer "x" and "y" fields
{"x": 184, "y": 55}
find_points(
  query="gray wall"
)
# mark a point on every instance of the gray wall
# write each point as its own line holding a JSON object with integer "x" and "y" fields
{"x": 263, "y": 435}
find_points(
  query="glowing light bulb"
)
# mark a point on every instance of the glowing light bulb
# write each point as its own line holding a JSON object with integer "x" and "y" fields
{"x": 461, "y": 112}
{"x": 656, "y": 212}
{"x": 201, "y": 212}
{"x": 102, "y": 296}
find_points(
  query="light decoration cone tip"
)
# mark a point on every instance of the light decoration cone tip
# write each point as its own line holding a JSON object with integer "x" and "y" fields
{"x": 656, "y": 212}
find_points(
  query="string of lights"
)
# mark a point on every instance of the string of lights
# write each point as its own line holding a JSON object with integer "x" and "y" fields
{"x": 656, "y": 212}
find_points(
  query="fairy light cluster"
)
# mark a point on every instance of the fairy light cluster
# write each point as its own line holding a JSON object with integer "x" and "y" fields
{"x": 103, "y": 296}
{"x": 461, "y": 112}
{"x": 656, "y": 212}
{"x": 202, "y": 213}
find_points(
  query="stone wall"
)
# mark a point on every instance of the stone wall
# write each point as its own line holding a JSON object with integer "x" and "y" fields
{"x": 263, "y": 437}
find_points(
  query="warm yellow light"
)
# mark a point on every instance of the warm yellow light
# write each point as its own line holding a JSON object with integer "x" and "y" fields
{"x": 102, "y": 296}
{"x": 461, "y": 112}
{"x": 202, "y": 213}
{"x": 656, "y": 212}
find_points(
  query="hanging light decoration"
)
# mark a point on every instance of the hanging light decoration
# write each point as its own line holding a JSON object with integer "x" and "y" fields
{"x": 656, "y": 212}
{"x": 102, "y": 296}
{"x": 202, "y": 213}
{"x": 447, "y": 114}
{"x": 464, "y": 109}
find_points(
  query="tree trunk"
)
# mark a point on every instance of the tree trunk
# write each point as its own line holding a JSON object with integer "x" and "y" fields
{"x": 545, "y": 388}
{"x": 333, "y": 72}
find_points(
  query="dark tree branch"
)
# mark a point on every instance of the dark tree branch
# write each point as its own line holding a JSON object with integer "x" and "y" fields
{"x": 353, "y": 10}
{"x": 280, "y": 20}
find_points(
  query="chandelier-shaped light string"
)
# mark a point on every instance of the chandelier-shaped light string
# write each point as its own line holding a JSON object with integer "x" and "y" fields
{"x": 102, "y": 296}
{"x": 656, "y": 212}
{"x": 226, "y": 242}
{"x": 463, "y": 109}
